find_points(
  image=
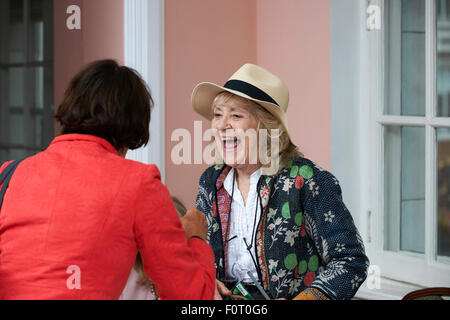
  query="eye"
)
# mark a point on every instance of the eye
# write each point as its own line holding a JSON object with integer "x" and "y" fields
{"x": 217, "y": 115}
{"x": 237, "y": 116}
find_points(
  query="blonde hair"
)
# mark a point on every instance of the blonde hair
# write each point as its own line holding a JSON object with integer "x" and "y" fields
{"x": 266, "y": 120}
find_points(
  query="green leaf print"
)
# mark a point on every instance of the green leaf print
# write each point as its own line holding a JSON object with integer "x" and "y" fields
{"x": 302, "y": 267}
{"x": 286, "y": 211}
{"x": 306, "y": 172}
{"x": 298, "y": 219}
{"x": 294, "y": 171}
{"x": 290, "y": 261}
{"x": 313, "y": 264}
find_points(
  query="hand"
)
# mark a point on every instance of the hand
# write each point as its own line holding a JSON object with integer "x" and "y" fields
{"x": 195, "y": 224}
{"x": 221, "y": 291}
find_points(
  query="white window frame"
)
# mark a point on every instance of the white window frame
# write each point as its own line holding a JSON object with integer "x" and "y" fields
{"x": 407, "y": 269}
{"x": 144, "y": 51}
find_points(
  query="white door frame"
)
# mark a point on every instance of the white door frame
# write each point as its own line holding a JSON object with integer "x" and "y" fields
{"x": 144, "y": 51}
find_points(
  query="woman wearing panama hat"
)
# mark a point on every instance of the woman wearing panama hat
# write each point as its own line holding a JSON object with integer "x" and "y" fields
{"x": 287, "y": 229}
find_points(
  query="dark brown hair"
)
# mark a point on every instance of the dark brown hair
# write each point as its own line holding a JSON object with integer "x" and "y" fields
{"x": 110, "y": 102}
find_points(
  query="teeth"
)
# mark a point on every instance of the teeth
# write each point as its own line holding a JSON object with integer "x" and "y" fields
{"x": 229, "y": 139}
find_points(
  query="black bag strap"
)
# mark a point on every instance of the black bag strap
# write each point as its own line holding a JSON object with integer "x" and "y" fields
{"x": 5, "y": 178}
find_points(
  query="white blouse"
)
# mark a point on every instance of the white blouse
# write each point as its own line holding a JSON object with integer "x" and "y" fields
{"x": 242, "y": 220}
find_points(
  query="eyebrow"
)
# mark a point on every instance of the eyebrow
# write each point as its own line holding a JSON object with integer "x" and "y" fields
{"x": 241, "y": 109}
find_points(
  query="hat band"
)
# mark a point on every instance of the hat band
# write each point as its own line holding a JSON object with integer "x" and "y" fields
{"x": 250, "y": 90}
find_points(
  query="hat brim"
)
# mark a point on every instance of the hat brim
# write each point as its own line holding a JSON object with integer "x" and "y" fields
{"x": 204, "y": 94}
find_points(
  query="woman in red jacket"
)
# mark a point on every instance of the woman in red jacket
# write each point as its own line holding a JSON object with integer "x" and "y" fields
{"x": 75, "y": 215}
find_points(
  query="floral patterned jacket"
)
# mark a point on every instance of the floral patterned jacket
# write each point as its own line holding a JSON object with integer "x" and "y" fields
{"x": 306, "y": 240}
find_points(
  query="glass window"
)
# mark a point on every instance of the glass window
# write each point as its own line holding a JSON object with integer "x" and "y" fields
{"x": 26, "y": 77}
{"x": 36, "y": 30}
{"x": 16, "y": 30}
{"x": 406, "y": 151}
{"x": 16, "y": 87}
{"x": 404, "y": 176}
{"x": 405, "y": 57}
{"x": 443, "y": 58}
{"x": 404, "y": 146}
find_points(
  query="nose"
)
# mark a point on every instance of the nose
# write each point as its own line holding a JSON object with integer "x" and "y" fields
{"x": 224, "y": 123}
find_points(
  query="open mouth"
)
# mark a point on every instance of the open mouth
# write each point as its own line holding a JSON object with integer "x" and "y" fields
{"x": 230, "y": 143}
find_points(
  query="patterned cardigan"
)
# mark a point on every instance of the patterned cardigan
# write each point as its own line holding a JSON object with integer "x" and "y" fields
{"x": 306, "y": 241}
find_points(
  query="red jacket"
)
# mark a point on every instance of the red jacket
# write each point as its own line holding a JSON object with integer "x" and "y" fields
{"x": 77, "y": 213}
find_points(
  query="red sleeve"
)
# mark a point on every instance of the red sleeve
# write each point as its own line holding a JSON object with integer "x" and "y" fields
{"x": 180, "y": 269}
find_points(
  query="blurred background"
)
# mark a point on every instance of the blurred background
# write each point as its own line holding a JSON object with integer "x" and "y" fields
{"x": 369, "y": 84}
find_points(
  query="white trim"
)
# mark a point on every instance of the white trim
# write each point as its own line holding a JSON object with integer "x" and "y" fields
{"x": 365, "y": 143}
{"x": 440, "y": 122}
{"x": 430, "y": 134}
{"x": 144, "y": 51}
{"x": 402, "y": 121}
{"x": 414, "y": 121}
{"x": 389, "y": 290}
{"x": 430, "y": 58}
{"x": 376, "y": 89}
{"x": 431, "y": 220}
{"x": 412, "y": 268}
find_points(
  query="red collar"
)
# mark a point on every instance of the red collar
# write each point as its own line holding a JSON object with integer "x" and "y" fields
{"x": 84, "y": 137}
{"x": 221, "y": 179}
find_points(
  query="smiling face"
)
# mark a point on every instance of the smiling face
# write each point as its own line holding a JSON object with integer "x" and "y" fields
{"x": 236, "y": 127}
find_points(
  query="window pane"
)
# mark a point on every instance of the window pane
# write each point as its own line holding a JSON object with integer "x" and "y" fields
{"x": 36, "y": 92}
{"x": 405, "y": 57}
{"x": 17, "y": 154}
{"x": 404, "y": 196}
{"x": 16, "y": 87}
{"x": 443, "y": 178}
{"x": 16, "y": 33}
{"x": 443, "y": 58}
{"x": 36, "y": 31}
{"x": 37, "y": 131}
{"x": 16, "y": 129}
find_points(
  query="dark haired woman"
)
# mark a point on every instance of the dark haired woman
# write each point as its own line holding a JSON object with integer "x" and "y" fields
{"x": 75, "y": 215}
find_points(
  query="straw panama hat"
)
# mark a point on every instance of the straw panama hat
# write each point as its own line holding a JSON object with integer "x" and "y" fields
{"x": 250, "y": 82}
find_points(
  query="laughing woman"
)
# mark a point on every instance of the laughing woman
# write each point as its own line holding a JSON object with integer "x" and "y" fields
{"x": 289, "y": 230}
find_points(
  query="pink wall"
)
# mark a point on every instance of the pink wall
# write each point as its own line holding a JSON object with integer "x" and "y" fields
{"x": 294, "y": 42}
{"x": 205, "y": 41}
{"x": 101, "y": 36}
{"x": 209, "y": 40}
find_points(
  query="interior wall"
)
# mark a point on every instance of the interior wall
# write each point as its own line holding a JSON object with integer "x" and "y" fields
{"x": 204, "y": 41}
{"x": 294, "y": 43}
{"x": 101, "y": 36}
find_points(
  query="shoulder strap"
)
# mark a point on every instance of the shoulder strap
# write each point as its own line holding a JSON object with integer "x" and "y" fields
{"x": 5, "y": 178}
